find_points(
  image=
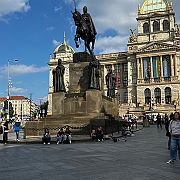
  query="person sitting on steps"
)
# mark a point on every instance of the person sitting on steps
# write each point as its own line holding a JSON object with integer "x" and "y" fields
{"x": 60, "y": 136}
{"x": 67, "y": 136}
{"x": 46, "y": 139}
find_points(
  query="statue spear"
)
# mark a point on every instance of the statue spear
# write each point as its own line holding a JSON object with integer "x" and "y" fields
{"x": 74, "y": 4}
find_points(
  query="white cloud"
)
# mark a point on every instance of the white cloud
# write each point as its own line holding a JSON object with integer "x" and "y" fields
{"x": 41, "y": 100}
{"x": 56, "y": 9}
{"x": 11, "y": 6}
{"x": 107, "y": 15}
{"x": 108, "y": 44}
{"x": 17, "y": 90}
{"x": 118, "y": 16}
{"x": 23, "y": 69}
{"x": 55, "y": 42}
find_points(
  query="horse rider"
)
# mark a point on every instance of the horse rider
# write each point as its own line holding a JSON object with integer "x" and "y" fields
{"x": 87, "y": 17}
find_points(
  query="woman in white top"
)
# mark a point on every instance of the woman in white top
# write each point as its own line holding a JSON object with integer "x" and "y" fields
{"x": 174, "y": 129}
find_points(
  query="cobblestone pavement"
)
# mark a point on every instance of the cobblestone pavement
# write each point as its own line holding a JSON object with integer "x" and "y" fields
{"x": 142, "y": 157}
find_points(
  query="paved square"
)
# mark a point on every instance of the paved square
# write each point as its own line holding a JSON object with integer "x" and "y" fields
{"x": 142, "y": 157}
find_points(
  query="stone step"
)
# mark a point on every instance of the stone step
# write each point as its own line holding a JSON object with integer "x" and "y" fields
{"x": 71, "y": 118}
{"x": 56, "y": 123}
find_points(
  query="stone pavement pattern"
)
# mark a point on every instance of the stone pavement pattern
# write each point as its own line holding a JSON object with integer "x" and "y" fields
{"x": 142, "y": 157}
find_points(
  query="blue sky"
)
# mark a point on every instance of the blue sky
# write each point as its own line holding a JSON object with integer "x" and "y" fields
{"x": 31, "y": 29}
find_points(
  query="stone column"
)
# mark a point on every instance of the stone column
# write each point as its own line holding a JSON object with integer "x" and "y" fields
{"x": 175, "y": 65}
{"x": 105, "y": 86}
{"x": 51, "y": 88}
{"x": 139, "y": 68}
{"x": 129, "y": 83}
{"x": 151, "y": 67}
{"x": 172, "y": 65}
{"x": 142, "y": 69}
{"x": 113, "y": 67}
{"x": 162, "y": 70}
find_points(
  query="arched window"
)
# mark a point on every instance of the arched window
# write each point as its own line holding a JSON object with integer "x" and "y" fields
{"x": 168, "y": 95}
{"x": 165, "y": 25}
{"x": 146, "y": 28}
{"x": 157, "y": 94}
{"x": 147, "y": 94}
{"x": 156, "y": 26}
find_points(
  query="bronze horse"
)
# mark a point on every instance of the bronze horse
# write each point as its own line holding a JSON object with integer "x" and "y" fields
{"x": 83, "y": 32}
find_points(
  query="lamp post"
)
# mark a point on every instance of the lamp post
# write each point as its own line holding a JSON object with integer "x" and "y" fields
{"x": 9, "y": 84}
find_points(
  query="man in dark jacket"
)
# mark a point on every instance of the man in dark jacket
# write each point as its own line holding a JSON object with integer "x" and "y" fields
{"x": 159, "y": 122}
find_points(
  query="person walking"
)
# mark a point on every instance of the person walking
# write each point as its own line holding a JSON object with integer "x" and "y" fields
{"x": 174, "y": 129}
{"x": 17, "y": 128}
{"x": 5, "y": 131}
{"x": 167, "y": 122}
{"x": 159, "y": 121}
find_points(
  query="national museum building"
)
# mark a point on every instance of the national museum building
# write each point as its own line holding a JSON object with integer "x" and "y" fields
{"x": 148, "y": 74}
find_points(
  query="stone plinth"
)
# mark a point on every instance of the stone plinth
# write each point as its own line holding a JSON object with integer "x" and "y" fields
{"x": 78, "y": 77}
{"x": 82, "y": 57}
{"x": 58, "y": 103}
{"x": 94, "y": 101}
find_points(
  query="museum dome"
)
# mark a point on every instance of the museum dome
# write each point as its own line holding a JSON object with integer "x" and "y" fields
{"x": 64, "y": 48}
{"x": 151, "y": 6}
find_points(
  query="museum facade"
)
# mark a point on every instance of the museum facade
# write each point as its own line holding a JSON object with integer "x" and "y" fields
{"x": 148, "y": 74}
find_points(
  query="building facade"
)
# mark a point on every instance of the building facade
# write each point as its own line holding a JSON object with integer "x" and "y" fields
{"x": 148, "y": 74}
{"x": 22, "y": 106}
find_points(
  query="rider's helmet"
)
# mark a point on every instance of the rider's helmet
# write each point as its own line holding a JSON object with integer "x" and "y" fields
{"x": 84, "y": 9}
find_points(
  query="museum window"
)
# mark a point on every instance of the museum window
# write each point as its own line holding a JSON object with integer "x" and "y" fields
{"x": 165, "y": 25}
{"x": 126, "y": 97}
{"x": 125, "y": 81}
{"x": 125, "y": 67}
{"x": 157, "y": 94}
{"x": 147, "y": 94}
{"x": 118, "y": 75}
{"x": 168, "y": 95}
{"x": 134, "y": 79}
{"x": 146, "y": 27}
{"x": 166, "y": 68}
{"x": 156, "y": 26}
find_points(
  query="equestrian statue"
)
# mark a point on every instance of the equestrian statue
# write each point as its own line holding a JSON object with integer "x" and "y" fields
{"x": 85, "y": 29}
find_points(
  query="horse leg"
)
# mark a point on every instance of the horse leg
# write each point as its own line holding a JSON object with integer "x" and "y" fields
{"x": 93, "y": 42}
{"x": 76, "y": 41}
{"x": 85, "y": 45}
{"x": 88, "y": 47}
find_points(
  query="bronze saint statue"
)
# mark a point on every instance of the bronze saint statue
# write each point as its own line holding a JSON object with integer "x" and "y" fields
{"x": 111, "y": 84}
{"x": 94, "y": 75}
{"x": 58, "y": 77}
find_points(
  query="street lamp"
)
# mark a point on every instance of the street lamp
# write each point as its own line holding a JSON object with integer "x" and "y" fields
{"x": 9, "y": 84}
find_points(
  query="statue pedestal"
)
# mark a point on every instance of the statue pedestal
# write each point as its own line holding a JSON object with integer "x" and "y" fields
{"x": 82, "y": 57}
{"x": 58, "y": 103}
{"x": 78, "y": 77}
{"x": 81, "y": 105}
{"x": 94, "y": 101}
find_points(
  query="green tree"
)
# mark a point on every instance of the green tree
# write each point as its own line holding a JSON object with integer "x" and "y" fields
{"x": 5, "y": 108}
